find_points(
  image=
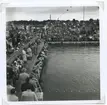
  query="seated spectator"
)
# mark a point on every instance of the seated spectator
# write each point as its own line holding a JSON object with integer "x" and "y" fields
{"x": 19, "y": 59}
{"x": 9, "y": 87}
{"x": 33, "y": 73}
{"x": 12, "y": 96}
{"x": 43, "y": 54}
{"x": 33, "y": 81}
{"x": 29, "y": 95}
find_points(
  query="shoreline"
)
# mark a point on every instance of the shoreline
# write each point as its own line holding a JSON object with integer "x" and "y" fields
{"x": 75, "y": 43}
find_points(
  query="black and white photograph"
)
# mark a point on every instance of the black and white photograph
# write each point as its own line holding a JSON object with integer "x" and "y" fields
{"x": 53, "y": 53}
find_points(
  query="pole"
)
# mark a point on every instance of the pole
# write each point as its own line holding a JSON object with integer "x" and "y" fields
{"x": 50, "y": 16}
{"x": 83, "y": 12}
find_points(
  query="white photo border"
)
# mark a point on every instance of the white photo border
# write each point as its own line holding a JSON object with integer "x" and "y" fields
{"x": 55, "y": 3}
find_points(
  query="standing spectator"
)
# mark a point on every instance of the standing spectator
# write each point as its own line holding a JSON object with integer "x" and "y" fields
{"x": 10, "y": 48}
{"x": 18, "y": 37}
{"x": 29, "y": 52}
{"x": 33, "y": 48}
{"x": 16, "y": 72}
{"x": 12, "y": 37}
{"x": 25, "y": 85}
{"x": 24, "y": 55}
{"x": 29, "y": 95}
{"x": 36, "y": 48}
{"x": 23, "y": 76}
{"x": 12, "y": 96}
{"x": 10, "y": 72}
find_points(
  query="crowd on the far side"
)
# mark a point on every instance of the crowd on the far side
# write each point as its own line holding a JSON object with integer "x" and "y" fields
{"x": 73, "y": 30}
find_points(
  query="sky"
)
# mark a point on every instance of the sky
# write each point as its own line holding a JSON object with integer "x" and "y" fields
{"x": 43, "y": 13}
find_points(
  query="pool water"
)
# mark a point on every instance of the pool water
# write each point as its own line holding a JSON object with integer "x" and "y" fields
{"x": 72, "y": 73}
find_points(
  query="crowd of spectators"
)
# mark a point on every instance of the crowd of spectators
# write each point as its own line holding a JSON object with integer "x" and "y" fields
{"x": 57, "y": 30}
{"x": 29, "y": 82}
{"x": 73, "y": 30}
{"x": 18, "y": 36}
{"x": 20, "y": 33}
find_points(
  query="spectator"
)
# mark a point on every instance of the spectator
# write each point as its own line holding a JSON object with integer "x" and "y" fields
{"x": 10, "y": 72}
{"x": 29, "y": 95}
{"x": 29, "y": 52}
{"x": 9, "y": 87}
{"x": 25, "y": 85}
{"x": 23, "y": 76}
{"x": 24, "y": 55}
{"x": 33, "y": 81}
{"x": 12, "y": 96}
{"x": 34, "y": 48}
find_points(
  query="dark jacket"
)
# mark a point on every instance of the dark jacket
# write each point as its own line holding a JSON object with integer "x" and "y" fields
{"x": 25, "y": 86}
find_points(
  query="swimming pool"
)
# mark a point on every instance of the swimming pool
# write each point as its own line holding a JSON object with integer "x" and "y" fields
{"x": 72, "y": 73}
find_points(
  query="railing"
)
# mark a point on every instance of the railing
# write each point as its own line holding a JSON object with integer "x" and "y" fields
{"x": 40, "y": 92}
{"x": 74, "y": 42}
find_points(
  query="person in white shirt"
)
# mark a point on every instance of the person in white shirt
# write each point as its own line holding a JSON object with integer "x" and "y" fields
{"x": 24, "y": 55}
{"x": 29, "y": 52}
{"x": 9, "y": 87}
{"x": 12, "y": 96}
{"x": 29, "y": 95}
